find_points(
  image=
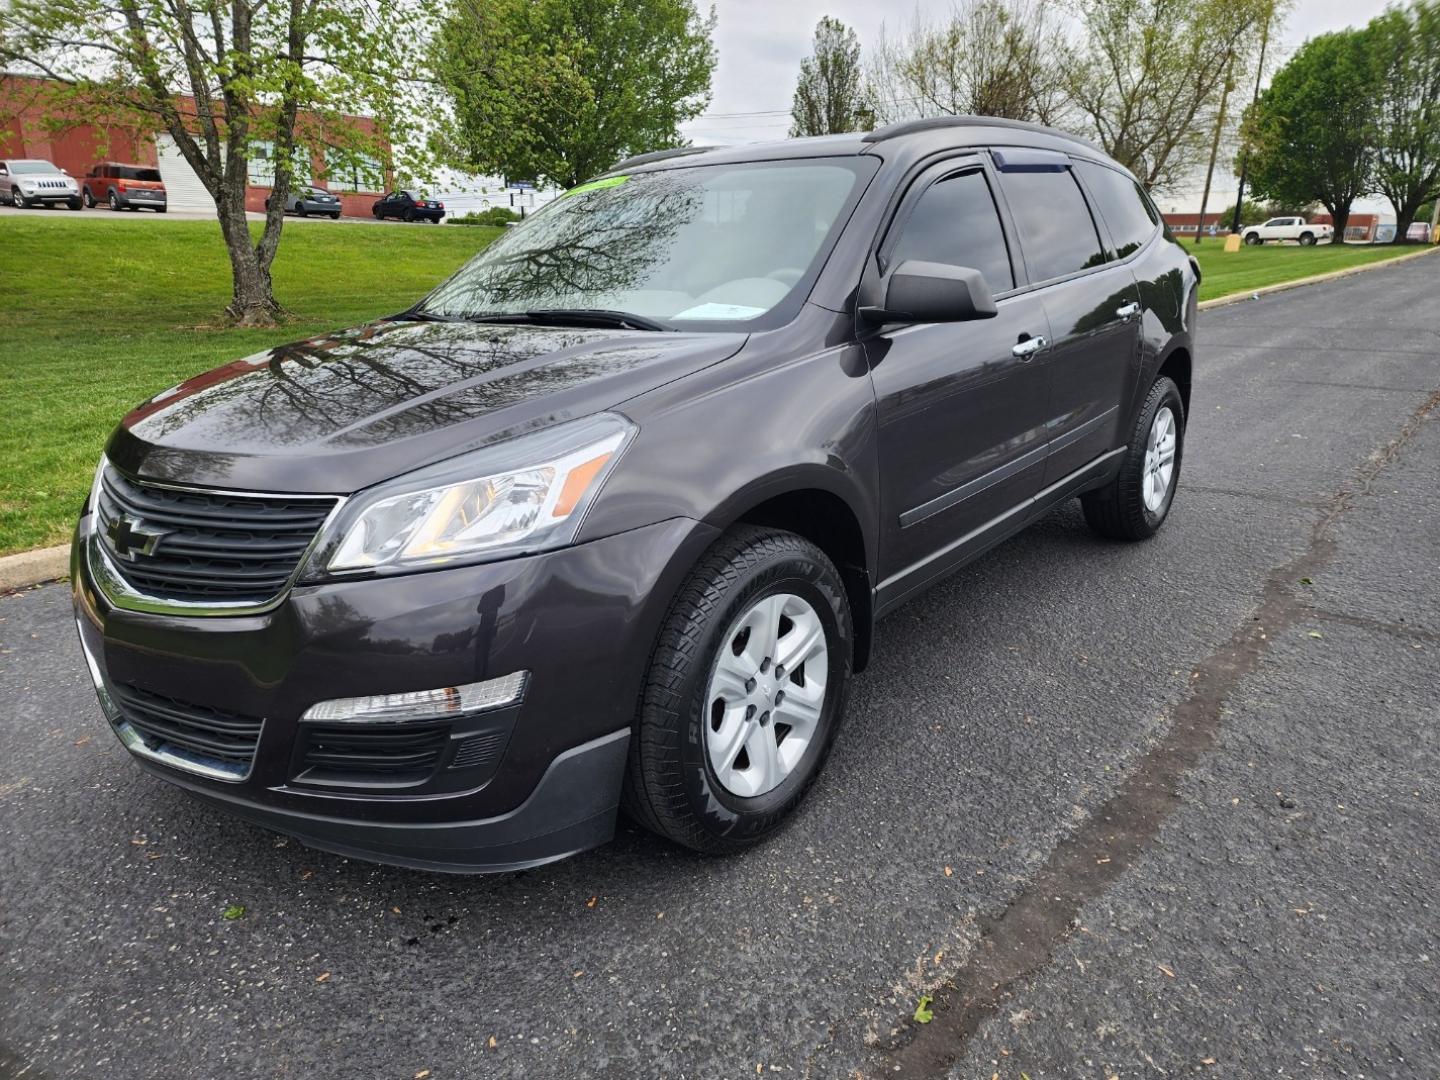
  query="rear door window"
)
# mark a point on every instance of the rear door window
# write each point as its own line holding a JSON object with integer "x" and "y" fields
{"x": 955, "y": 222}
{"x": 1057, "y": 233}
{"x": 1127, "y": 213}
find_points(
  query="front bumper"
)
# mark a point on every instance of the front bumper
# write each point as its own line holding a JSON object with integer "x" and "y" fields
{"x": 581, "y": 620}
{"x": 51, "y": 195}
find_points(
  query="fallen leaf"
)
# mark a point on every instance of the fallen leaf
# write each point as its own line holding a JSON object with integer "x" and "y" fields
{"x": 324, "y": 976}
{"x": 491, "y": 1042}
{"x": 1102, "y": 862}
{"x": 82, "y": 740}
{"x": 949, "y": 872}
{"x": 1315, "y": 634}
{"x": 1211, "y": 1061}
{"x": 938, "y": 957}
{"x": 1306, "y": 581}
{"x": 422, "y": 1074}
{"x": 578, "y": 974}
{"x": 396, "y": 910}
{"x": 592, "y": 901}
{"x": 923, "y": 1014}
{"x": 1166, "y": 970}
{"x": 306, "y": 875}
{"x": 233, "y": 912}
{"x": 139, "y": 841}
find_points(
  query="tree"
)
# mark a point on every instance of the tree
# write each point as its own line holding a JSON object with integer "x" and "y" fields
{"x": 226, "y": 80}
{"x": 1310, "y": 136}
{"x": 1406, "y": 44}
{"x": 988, "y": 58}
{"x": 829, "y": 95}
{"x": 559, "y": 90}
{"x": 1150, "y": 72}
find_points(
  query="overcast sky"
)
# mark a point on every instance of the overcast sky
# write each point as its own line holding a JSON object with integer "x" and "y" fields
{"x": 761, "y": 43}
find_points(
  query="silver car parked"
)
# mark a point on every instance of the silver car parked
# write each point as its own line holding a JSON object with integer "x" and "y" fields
{"x": 32, "y": 182}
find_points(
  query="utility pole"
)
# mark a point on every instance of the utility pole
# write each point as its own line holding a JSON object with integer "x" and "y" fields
{"x": 1215, "y": 146}
{"x": 1245, "y": 154}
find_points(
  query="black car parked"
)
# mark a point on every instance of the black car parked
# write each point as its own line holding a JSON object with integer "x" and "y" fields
{"x": 611, "y": 515}
{"x": 408, "y": 206}
{"x": 311, "y": 200}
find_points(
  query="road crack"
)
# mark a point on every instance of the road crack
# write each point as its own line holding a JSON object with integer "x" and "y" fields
{"x": 1019, "y": 941}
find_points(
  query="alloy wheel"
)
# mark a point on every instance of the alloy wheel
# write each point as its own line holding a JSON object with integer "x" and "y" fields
{"x": 766, "y": 694}
{"x": 1159, "y": 465}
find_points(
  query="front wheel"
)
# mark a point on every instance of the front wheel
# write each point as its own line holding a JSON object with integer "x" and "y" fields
{"x": 18, "y": 199}
{"x": 1135, "y": 504}
{"x": 1252, "y": 239}
{"x": 745, "y": 692}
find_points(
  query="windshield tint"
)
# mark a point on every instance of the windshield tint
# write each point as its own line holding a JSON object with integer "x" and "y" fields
{"x": 717, "y": 243}
{"x": 136, "y": 172}
{"x": 21, "y": 167}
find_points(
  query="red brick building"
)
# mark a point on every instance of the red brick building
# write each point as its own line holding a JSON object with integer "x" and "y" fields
{"x": 30, "y": 129}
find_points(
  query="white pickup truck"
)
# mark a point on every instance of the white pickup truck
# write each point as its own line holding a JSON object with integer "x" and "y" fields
{"x": 1287, "y": 228}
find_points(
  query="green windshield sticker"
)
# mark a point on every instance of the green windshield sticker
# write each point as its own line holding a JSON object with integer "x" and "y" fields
{"x": 596, "y": 185}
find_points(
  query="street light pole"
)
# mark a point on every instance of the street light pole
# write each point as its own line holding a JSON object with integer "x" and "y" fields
{"x": 1215, "y": 145}
{"x": 1245, "y": 153}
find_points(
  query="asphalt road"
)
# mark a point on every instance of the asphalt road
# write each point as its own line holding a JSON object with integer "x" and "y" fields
{"x": 1124, "y": 811}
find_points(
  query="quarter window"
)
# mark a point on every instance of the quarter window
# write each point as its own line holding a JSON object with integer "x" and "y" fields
{"x": 1123, "y": 206}
{"x": 955, "y": 222}
{"x": 1056, "y": 230}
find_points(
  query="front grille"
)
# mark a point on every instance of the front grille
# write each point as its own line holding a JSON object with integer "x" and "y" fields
{"x": 372, "y": 754}
{"x": 195, "y": 731}
{"x": 193, "y": 546}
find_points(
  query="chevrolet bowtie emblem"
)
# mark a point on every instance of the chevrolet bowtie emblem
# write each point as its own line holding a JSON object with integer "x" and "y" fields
{"x": 130, "y": 537}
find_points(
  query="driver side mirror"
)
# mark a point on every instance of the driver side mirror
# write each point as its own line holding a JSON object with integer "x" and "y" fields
{"x": 924, "y": 292}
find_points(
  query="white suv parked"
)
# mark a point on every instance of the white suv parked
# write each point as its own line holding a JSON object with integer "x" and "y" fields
{"x": 1287, "y": 228}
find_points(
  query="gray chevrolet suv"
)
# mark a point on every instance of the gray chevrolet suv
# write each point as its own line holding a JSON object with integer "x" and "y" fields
{"x": 611, "y": 517}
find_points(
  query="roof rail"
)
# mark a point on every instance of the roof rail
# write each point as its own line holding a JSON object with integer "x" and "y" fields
{"x": 911, "y": 127}
{"x": 659, "y": 155}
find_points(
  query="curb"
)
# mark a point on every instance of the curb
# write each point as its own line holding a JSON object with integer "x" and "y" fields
{"x": 34, "y": 567}
{"x": 49, "y": 564}
{"x": 1313, "y": 279}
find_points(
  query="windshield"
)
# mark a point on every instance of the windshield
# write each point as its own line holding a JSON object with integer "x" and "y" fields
{"x": 21, "y": 167}
{"x": 716, "y": 243}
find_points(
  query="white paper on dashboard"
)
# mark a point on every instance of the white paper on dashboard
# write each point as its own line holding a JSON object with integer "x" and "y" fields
{"x": 720, "y": 311}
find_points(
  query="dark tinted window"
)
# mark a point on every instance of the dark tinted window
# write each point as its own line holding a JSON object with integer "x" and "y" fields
{"x": 1056, "y": 230}
{"x": 135, "y": 172}
{"x": 1121, "y": 203}
{"x": 955, "y": 222}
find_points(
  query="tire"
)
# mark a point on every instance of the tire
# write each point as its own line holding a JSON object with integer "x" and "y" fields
{"x": 672, "y": 786}
{"x": 1307, "y": 239}
{"x": 301, "y": 212}
{"x": 1252, "y": 239}
{"x": 114, "y": 201}
{"x": 408, "y": 216}
{"x": 335, "y": 216}
{"x": 1124, "y": 509}
{"x": 76, "y": 203}
{"x": 17, "y": 200}
{"x": 161, "y": 209}
{"x": 89, "y": 199}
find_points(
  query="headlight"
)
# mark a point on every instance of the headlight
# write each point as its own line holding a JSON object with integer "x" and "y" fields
{"x": 88, "y": 518}
{"x": 529, "y": 494}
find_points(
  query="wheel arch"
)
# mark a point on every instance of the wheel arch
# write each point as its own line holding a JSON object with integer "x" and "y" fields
{"x": 829, "y": 521}
{"x": 1178, "y": 367}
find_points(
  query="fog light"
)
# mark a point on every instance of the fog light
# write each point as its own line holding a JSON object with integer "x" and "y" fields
{"x": 448, "y": 701}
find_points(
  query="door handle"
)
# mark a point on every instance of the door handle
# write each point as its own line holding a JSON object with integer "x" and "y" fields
{"x": 1028, "y": 348}
{"x": 1129, "y": 311}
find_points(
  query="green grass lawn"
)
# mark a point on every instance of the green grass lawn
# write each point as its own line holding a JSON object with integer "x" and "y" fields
{"x": 96, "y": 316}
{"x": 1252, "y": 268}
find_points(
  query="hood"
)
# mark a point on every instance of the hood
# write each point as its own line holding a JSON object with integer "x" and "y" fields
{"x": 347, "y": 410}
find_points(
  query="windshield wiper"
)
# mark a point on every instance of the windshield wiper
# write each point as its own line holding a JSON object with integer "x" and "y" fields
{"x": 625, "y": 320}
{"x": 595, "y": 317}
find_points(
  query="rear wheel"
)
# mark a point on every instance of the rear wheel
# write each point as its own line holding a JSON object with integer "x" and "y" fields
{"x": 408, "y": 215}
{"x": 114, "y": 201}
{"x": 1135, "y": 504}
{"x": 1307, "y": 239}
{"x": 745, "y": 692}
{"x": 335, "y": 215}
